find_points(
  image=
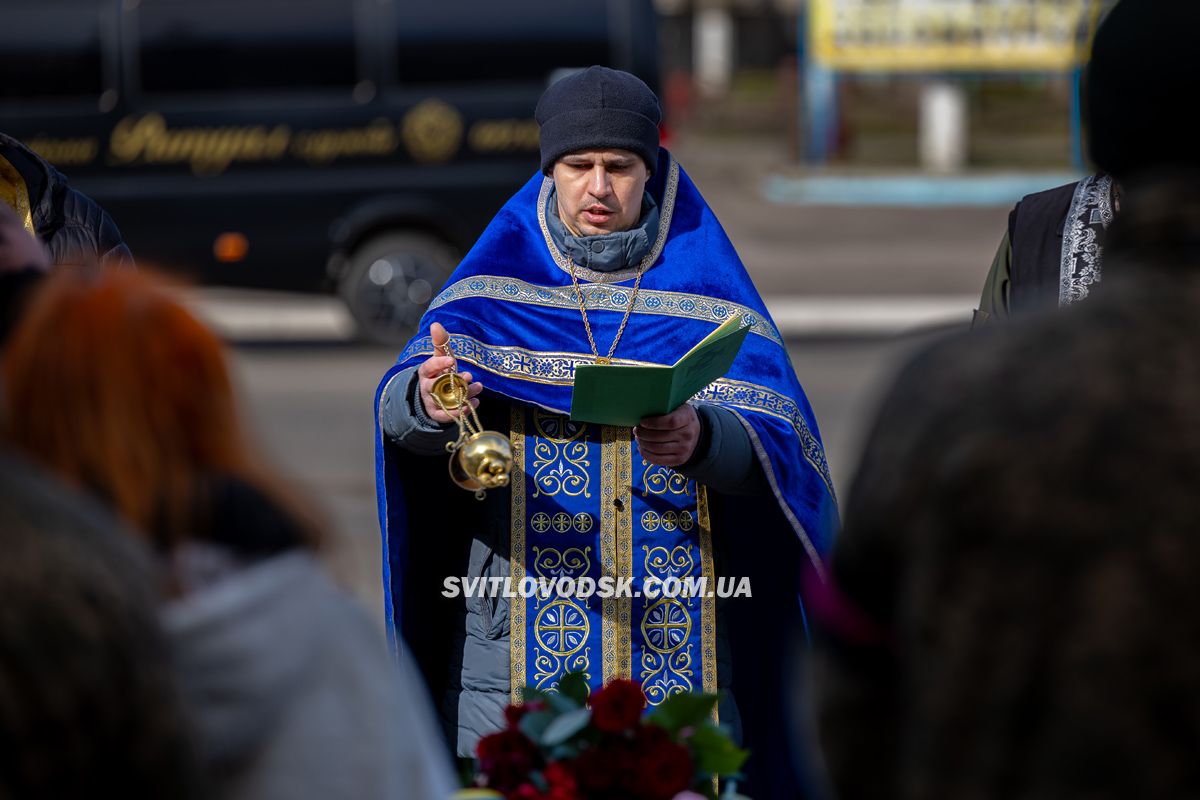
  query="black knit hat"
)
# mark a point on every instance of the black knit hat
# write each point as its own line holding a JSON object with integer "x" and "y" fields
{"x": 1140, "y": 86}
{"x": 598, "y": 108}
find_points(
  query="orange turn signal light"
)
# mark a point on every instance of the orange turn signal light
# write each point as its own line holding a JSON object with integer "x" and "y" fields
{"x": 230, "y": 248}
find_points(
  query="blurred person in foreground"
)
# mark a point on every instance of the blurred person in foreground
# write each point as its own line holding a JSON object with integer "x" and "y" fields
{"x": 1053, "y": 253}
{"x": 1017, "y": 616}
{"x": 89, "y": 705}
{"x": 75, "y": 229}
{"x": 117, "y": 389}
{"x": 610, "y": 253}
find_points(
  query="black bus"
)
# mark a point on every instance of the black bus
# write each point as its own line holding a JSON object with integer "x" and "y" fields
{"x": 356, "y": 146}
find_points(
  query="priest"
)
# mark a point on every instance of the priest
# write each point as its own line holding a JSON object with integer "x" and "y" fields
{"x": 609, "y": 255}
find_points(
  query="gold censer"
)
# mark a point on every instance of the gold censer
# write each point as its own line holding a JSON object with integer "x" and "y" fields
{"x": 479, "y": 459}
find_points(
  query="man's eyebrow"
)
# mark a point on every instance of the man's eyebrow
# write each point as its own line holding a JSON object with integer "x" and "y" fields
{"x": 609, "y": 161}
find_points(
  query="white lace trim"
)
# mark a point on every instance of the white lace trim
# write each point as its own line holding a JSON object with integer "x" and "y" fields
{"x": 1082, "y": 253}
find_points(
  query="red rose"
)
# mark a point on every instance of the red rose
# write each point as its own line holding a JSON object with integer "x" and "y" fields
{"x": 506, "y": 758}
{"x": 560, "y": 782}
{"x": 526, "y": 791}
{"x": 664, "y": 768}
{"x": 648, "y": 736}
{"x": 618, "y": 706}
{"x": 560, "y": 785}
{"x": 602, "y": 768}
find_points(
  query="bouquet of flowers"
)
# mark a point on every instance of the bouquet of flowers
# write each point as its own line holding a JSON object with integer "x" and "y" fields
{"x": 565, "y": 745}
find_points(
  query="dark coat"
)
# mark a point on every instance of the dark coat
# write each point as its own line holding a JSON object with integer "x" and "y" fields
{"x": 73, "y": 226}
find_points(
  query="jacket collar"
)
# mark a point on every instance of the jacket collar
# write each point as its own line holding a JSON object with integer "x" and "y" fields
{"x": 607, "y": 252}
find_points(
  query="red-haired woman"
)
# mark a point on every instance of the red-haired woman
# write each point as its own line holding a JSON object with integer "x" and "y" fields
{"x": 118, "y": 389}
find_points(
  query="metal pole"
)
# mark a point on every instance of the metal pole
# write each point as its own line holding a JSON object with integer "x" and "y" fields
{"x": 819, "y": 86}
{"x": 820, "y": 105}
{"x": 1077, "y": 156}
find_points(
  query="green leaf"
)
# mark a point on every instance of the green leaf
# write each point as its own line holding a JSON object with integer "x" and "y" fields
{"x": 683, "y": 710}
{"x": 563, "y": 752}
{"x": 715, "y": 752}
{"x": 535, "y": 723}
{"x": 566, "y": 726}
{"x": 553, "y": 700}
{"x": 562, "y": 704}
{"x": 575, "y": 686}
{"x": 531, "y": 693}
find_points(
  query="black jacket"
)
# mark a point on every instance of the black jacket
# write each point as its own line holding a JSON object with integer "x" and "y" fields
{"x": 1035, "y": 231}
{"x": 75, "y": 228}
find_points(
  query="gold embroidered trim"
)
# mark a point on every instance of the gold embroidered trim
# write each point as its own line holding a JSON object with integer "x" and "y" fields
{"x": 752, "y": 397}
{"x": 516, "y": 556}
{"x": 769, "y": 470}
{"x": 558, "y": 369}
{"x": 624, "y": 456}
{"x": 708, "y": 604}
{"x": 608, "y": 548}
{"x": 600, "y": 297}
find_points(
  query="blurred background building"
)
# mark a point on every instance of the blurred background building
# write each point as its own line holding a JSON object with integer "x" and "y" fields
{"x": 360, "y": 147}
{"x": 947, "y": 84}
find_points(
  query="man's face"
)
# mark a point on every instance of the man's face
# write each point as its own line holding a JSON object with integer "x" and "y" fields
{"x": 600, "y": 191}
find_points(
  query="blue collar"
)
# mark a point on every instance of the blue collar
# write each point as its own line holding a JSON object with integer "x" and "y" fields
{"x": 607, "y": 252}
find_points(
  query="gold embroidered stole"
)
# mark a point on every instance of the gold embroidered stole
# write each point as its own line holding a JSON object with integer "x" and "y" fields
{"x": 586, "y": 508}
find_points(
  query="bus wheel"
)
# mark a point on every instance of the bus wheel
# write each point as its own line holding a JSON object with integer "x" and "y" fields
{"x": 390, "y": 280}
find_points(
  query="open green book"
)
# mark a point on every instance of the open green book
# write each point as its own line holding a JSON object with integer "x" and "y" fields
{"x": 618, "y": 394}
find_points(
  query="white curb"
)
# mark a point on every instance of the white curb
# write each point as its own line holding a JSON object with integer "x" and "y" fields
{"x": 250, "y": 316}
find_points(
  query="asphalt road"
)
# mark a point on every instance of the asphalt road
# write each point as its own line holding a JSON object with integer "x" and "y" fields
{"x": 310, "y": 408}
{"x": 837, "y": 250}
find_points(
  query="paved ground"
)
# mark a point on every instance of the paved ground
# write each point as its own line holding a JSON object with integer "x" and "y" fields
{"x": 837, "y": 250}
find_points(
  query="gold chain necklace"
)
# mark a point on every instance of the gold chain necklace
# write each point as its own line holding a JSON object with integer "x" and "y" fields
{"x": 637, "y": 284}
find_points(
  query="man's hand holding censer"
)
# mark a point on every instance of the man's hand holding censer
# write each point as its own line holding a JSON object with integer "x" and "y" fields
{"x": 479, "y": 459}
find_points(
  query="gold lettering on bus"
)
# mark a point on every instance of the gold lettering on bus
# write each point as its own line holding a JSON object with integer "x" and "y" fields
{"x": 65, "y": 152}
{"x": 322, "y": 146}
{"x": 503, "y": 135}
{"x": 208, "y": 151}
{"x": 432, "y": 131}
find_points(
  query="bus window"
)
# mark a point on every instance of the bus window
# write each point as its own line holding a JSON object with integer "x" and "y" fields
{"x": 51, "y": 50}
{"x": 224, "y": 46}
{"x": 516, "y": 41}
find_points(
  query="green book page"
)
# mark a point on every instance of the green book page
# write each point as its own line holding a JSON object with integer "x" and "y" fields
{"x": 616, "y": 394}
{"x": 707, "y": 361}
